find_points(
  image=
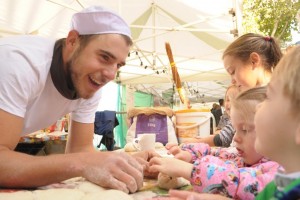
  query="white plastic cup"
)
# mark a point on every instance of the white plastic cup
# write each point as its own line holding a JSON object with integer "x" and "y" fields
{"x": 145, "y": 141}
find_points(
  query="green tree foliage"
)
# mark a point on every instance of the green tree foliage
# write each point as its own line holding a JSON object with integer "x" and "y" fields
{"x": 276, "y": 18}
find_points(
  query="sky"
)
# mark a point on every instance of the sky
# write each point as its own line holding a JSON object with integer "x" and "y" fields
{"x": 296, "y": 37}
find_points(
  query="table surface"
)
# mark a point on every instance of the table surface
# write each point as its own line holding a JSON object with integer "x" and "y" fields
{"x": 150, "y": 190}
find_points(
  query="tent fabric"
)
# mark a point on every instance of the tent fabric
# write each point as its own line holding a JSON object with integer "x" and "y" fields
{"x": 121, "y": 130}
{"x": 198, "y": 31}
{"x": 142, "y": 99}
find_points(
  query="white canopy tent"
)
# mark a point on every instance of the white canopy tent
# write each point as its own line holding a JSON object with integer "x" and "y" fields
{"x": 197, "y": 30}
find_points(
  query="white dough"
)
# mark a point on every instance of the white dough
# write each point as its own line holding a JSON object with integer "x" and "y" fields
{"x": 58, "y": 194}
{"x": 109, "y": 195}
{"x": 159, "y": 145}
{"x": 166, "y": 182}
{"x": 72, "y": 189}
{"x": 89, "y": 187}
{"x": 21, "y": 195}
{"x": 129, "y": 147}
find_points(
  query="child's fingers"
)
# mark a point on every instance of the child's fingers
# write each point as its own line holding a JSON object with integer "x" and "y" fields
{"x": 174, "y": 150}
{"x": 170, "y": 145}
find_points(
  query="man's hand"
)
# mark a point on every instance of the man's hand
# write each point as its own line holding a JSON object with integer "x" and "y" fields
{"x": 116, "y": 170}
{"x": 143, "y": 157}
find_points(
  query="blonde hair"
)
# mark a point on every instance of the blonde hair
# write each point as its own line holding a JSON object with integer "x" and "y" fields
{"x": 288, "y": 71}
{"x": 267, "y": 47}
{"x": 235, "y": 92}
{"x": 247, "y": 101}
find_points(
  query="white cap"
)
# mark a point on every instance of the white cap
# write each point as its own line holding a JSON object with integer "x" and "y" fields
{"x": 99, "y": 20}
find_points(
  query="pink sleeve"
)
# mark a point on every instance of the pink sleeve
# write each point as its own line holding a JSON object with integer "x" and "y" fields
{"x": 213, "y": 175}
{"x": 198, "y": 150}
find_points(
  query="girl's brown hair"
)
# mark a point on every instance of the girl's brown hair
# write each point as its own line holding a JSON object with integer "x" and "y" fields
{"x": 267, "y": 47}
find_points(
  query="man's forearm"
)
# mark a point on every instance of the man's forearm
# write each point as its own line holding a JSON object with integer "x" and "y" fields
{"x": 22, "y": 171}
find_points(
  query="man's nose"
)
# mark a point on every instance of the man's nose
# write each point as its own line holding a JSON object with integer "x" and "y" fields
{"x": 110, "y": 72}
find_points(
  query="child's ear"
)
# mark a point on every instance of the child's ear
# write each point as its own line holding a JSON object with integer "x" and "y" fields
{"x": 255, "y": 59}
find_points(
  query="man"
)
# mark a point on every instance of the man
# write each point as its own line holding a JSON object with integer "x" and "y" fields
{"x": 221, "y": 102}
{"x": 43, "y": 80}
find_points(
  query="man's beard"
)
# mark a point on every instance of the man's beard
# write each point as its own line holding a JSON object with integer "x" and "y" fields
{"x": 61, "y": 79}
{"x": 73, "y": 80}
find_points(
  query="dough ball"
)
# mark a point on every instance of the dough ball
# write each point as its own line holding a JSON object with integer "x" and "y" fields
{"x": 89, "y": 187}
{"x": 82, "y": 184}
{"x": 159, "y": 145}
{"x": 129, "y": 147}
{"x": 167, "y": 182}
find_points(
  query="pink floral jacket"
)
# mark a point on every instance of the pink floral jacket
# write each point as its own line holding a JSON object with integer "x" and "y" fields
{"x": 220, "y": 170}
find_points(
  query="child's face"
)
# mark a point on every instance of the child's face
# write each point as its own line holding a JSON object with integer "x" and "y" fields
{"x": 275, "y": 127}
{"x": 230, "y": 94}
{"x": 243, "y": 75}
{"x": 244, "y": 137}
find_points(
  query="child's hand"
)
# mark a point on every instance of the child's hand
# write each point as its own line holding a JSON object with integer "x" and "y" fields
{"x": 143, "y": 157}
{"x": 175, "y": 150}
{"x": 171, "y": 166}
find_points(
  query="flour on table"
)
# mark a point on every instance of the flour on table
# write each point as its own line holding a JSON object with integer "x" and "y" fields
{"x": 20, "y": 195}
{"x": 108, "y": 194}
{"x": 72, "y": 189}
{"x": 63, "y": 194}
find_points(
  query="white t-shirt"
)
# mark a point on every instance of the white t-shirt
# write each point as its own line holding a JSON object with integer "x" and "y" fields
{"x": 26, "y": 87}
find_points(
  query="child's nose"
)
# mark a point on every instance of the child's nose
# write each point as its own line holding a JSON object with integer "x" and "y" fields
{"x": 236, "y": 137}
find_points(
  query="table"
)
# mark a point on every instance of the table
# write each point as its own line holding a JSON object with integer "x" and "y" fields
{"x": 151, "y": 190}
{"x": 82, "y": 188}
{"x": 78, "y": 185}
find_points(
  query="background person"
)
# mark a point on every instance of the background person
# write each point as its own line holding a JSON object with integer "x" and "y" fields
{"x": 221, "y": 103}
{"x": 217, "y": 112}
{"x": 223, "y": 137}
